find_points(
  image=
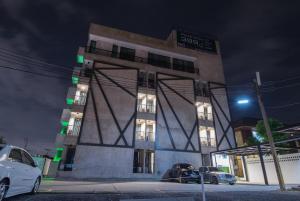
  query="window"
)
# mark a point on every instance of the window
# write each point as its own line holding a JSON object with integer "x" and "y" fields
{"x": 93, "y": 45}
{"x": 151, "y": 80}
{"x": 146, "y": 80}
{"x": 207, "y": 136}
{"x": 142, "y": 79}
{"x": 58, "y": 155}
{"x": 159, "y": 60}
{"x": 145, "y": 130}
{"x": 204, "y": 111}
{"x": 114, "y": 52}
{"x": 127, "y": 53}
{"x": 183, "y": 65}
{"x": 68, "y": 166}
{"x": 143, "y": 161}
{"x": 27, "y": 159}
{"x": 15, "y": 154}
{"x": 146, "y": 103}
{"x": 81, "y": 94}
{"x": 201, "y": 89}
{"x": 205, "y": 159}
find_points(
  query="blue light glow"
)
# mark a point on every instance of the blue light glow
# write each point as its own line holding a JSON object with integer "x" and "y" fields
{"x": 243, "y": 101}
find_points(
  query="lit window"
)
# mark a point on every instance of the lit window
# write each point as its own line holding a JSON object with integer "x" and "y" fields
{"x": 207, "y": 136}
{"x": 81, "y": 94}
{"x": 146, "y": 103}
{"x": 58, "y": 155}
{"x": 204, "y": 111}
{"x": 74, "y": 124}
{"x": 80, "y": 59}
{"x": 145, "y": 130}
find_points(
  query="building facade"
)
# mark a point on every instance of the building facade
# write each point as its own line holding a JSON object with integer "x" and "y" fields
{"x": 140, "y": 104}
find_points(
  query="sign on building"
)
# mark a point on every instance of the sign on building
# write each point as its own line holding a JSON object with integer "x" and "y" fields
{"x": 191, "y": 41}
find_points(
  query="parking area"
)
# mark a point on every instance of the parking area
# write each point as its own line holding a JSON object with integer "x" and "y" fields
{"x": 59, "y": 186}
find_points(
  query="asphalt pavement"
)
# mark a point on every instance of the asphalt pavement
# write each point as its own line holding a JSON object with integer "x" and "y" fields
{"x": 211, "y": 196}
{"x": 62, "y": 190}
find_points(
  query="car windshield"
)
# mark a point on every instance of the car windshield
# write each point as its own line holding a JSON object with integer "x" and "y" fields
{"x": 213, "y": 169}
{"x": 186, "y": 166}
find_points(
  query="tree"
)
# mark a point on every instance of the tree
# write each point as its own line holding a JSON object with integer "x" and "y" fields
{"x": 274, "y": 125}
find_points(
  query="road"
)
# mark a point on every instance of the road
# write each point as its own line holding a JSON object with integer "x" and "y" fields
{"x": 211, "y": 196}
{"x": 52, "y": 190}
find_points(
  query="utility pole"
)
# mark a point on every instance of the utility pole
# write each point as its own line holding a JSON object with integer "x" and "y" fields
{"x": 257, "y": 83}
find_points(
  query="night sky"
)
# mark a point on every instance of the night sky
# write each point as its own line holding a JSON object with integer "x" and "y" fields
{"x": 254, "y": 35}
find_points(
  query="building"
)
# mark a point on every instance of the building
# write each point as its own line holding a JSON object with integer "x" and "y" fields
{"x": 244, "y": 129}
{"x": 140, "y": 104}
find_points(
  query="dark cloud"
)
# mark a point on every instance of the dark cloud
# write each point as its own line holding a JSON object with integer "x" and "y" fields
{"x": 254, "y": 35}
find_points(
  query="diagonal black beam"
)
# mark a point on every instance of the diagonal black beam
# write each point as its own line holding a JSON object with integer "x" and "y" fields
{"x": 125, "y": 128}
{"x": 166, "y": 123}
{"x": 222, "y": 128}
{"x": 110, "y": 109}
{"x": 96, "y": 114}
{"x": 225, "y": 136}
{"x": 190, "y": 137}
{"x": 117, "y": 84}
{"x": 173, "y": 90}
{"x": 218, "y": 104}
{"x": 174, "y": 113}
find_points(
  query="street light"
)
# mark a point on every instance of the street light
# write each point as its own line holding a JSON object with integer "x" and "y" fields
{"x": 243, "y": 101}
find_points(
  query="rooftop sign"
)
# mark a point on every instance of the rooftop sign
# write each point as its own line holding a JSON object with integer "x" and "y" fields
{"x": 191, "y": 41}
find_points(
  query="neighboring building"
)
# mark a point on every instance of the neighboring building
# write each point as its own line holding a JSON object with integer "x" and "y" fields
{"x": 139, "y": 104}
{"x": 244, "y": 129}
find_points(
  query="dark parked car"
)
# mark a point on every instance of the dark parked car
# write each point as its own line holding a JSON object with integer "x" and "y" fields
{"x": 182, "y": 173}
{"x": 215, "y": 176}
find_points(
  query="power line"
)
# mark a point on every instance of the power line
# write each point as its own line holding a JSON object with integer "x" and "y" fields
{"x": 26, "y": 57}
{"x": 283, "y": 106}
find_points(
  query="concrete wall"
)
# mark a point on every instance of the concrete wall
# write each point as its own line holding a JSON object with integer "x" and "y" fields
{"x": 185, "y": 111}
{"x": 102, "y": 162}
{"x": 222, "y": 119}
{"x": 290, "y": 166}
{"x": 121, "y": 103}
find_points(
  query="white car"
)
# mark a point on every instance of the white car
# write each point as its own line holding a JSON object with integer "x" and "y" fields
{"x": 18, "y": 172}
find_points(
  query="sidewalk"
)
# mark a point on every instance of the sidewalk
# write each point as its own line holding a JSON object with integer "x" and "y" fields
{"x": 55, "y": 186}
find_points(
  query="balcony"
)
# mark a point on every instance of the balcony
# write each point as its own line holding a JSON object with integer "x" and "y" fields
{"x": 145, "y": 136}
{"x": 209, "y": 142}
{"x": 129, "y": 57}
{"x": 146, "y": 108}
{"x": 205, "y": 116}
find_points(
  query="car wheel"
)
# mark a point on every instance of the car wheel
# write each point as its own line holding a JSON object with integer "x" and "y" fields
{"x": 36, "y": 186}
{"x": 215, "y": 180}
{"x": 3, "y": 189}
{"x": 231, "y": 183}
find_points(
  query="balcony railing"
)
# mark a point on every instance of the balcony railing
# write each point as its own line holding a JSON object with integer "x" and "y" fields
{"x": 146, "y": 108}
{"x": 80, "y": 100}
{"x": 205, "y": 116}
{"x": 145, "y": 136}
{"x": 209, "y": 142}
{"x": 131, "y": 57}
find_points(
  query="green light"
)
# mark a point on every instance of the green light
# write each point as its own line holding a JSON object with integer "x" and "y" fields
{"x": 63, "y": 131}
{"x": 70, "y": 101}
{"x": 80, "y": 59}
{"x": 58, "y": 154}
{"x": 64, "y": 123}
{"x": 75, "y": 80}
